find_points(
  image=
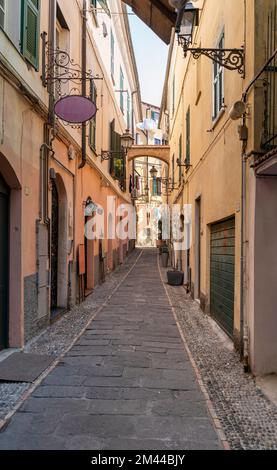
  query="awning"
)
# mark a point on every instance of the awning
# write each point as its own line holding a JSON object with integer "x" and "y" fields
{"x": 157, "y": 14}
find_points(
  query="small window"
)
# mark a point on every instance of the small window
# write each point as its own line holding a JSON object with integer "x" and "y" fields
{"x": 30, "y": 31}
{"x": 155, "y": 116}
{"x": 218, "y": 83}
{"x": 2, "y": 13}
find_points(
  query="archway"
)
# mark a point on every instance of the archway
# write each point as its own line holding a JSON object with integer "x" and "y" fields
{"x": 59, "y": 237}
{"x": 4, "y": 261}
{"x": 11, "y": 281}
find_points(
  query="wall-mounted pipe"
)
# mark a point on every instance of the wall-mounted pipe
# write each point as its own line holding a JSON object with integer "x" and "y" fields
{"x": 84, "y": 69}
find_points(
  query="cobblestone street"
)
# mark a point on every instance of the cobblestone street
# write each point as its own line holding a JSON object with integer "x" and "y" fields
{"x": 127, "y": 383}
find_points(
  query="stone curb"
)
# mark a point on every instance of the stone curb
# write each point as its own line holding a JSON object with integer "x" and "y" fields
{"x": 5, "y": 421}
{"x": 211, "y": 410}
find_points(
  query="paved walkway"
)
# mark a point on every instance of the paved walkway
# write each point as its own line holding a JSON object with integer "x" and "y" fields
{"x": 126, "y": 384}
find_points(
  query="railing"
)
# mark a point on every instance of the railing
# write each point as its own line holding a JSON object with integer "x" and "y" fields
{"x": 269, "y": 138}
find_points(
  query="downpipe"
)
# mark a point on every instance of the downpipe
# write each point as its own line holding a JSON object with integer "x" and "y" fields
{"x": 244, "y": 335}
{"x": 84, "y": 68}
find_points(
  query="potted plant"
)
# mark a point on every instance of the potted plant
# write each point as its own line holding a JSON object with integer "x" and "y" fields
{"x": 175, "y": 277}
{"x": 164, "y": 256}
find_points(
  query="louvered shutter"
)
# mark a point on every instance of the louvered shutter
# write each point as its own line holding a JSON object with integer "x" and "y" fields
{"x": 30, "y": 31}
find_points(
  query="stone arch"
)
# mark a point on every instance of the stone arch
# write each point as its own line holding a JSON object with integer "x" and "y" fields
{"x": 62, "y": 240}
{"x": 15, "y": 312}
{"x": 159, "y": 152}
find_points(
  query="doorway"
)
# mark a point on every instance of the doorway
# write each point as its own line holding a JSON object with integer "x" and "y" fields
{"x": 197, "y": 282}
{"x": 54, "y": 247}
{"x": 4, "y": 262}
{"x": 59, "y": 248}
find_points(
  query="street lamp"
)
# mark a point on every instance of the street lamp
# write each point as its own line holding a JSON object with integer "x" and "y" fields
{"x": 127, "y": 140}
{"x": 153, "y": 172}
{"x": 187, "y": 20}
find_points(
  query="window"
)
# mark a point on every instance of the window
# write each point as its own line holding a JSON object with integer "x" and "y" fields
{"x": 180, "y": 158}
{"x": 2, "y": 13}
{"x": 173, "y": 96}
{"x": 218, "y": 83}
{"x": 30, "y": 31}
{"x": 155, "y": 116}
{"x": 94, "y": 6}
{"x": 112, "y": 55}
{"x": 157, "y": 141}
{"x": 159, "y": 186}
{"x": 187, "y": 161}
{"x": 121, "y": 81}
{"x": 92, "y": 124}
{"x": 117, "y": 163}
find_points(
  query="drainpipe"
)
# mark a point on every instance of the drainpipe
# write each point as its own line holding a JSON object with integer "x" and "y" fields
{"x": 244, "y": 339}
{"x": 84, "y": 69}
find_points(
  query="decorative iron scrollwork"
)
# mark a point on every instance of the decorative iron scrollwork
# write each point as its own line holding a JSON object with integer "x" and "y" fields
{"x": 111, "y": 154}
{"x": 58, "y": 67}
{"x": 231, "y": 59}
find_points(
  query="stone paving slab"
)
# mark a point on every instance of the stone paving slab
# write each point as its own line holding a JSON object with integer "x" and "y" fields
{"x": 126, "y": 384}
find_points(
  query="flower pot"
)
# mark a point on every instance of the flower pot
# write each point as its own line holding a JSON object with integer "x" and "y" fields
{"x": 165, "y": 257}
{"x": 175, "y": 278}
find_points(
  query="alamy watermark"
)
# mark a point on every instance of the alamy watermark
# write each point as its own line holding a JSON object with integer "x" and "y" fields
{"x": 121, "y": 222}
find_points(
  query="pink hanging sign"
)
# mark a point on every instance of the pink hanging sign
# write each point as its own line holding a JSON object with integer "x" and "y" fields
{"x": 75, "y": 109}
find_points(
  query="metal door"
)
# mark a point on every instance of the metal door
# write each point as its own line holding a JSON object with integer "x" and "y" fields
{"x": 4, "y": 262}
{"x": 223, "y": 274}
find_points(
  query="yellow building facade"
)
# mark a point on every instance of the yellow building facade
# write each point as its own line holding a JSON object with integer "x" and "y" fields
{"x": 216, "y": 148}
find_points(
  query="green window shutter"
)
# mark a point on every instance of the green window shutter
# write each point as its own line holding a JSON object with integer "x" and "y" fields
{"x": 30, "y": 31}
{"x": 188, "y": 138}
{"x": 92, "y": 124}
{"x": 112, "y": 144}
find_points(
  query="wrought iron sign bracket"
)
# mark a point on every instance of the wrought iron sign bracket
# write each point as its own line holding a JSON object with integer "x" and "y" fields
{"x": 110, "y": 154}
{"x": 231, "y": 59}
{"x": 57, "y": 66}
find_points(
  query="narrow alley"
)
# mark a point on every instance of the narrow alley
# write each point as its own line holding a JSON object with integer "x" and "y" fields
{"x": 127, "y": 383}
{"x": 138, "y": 248}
